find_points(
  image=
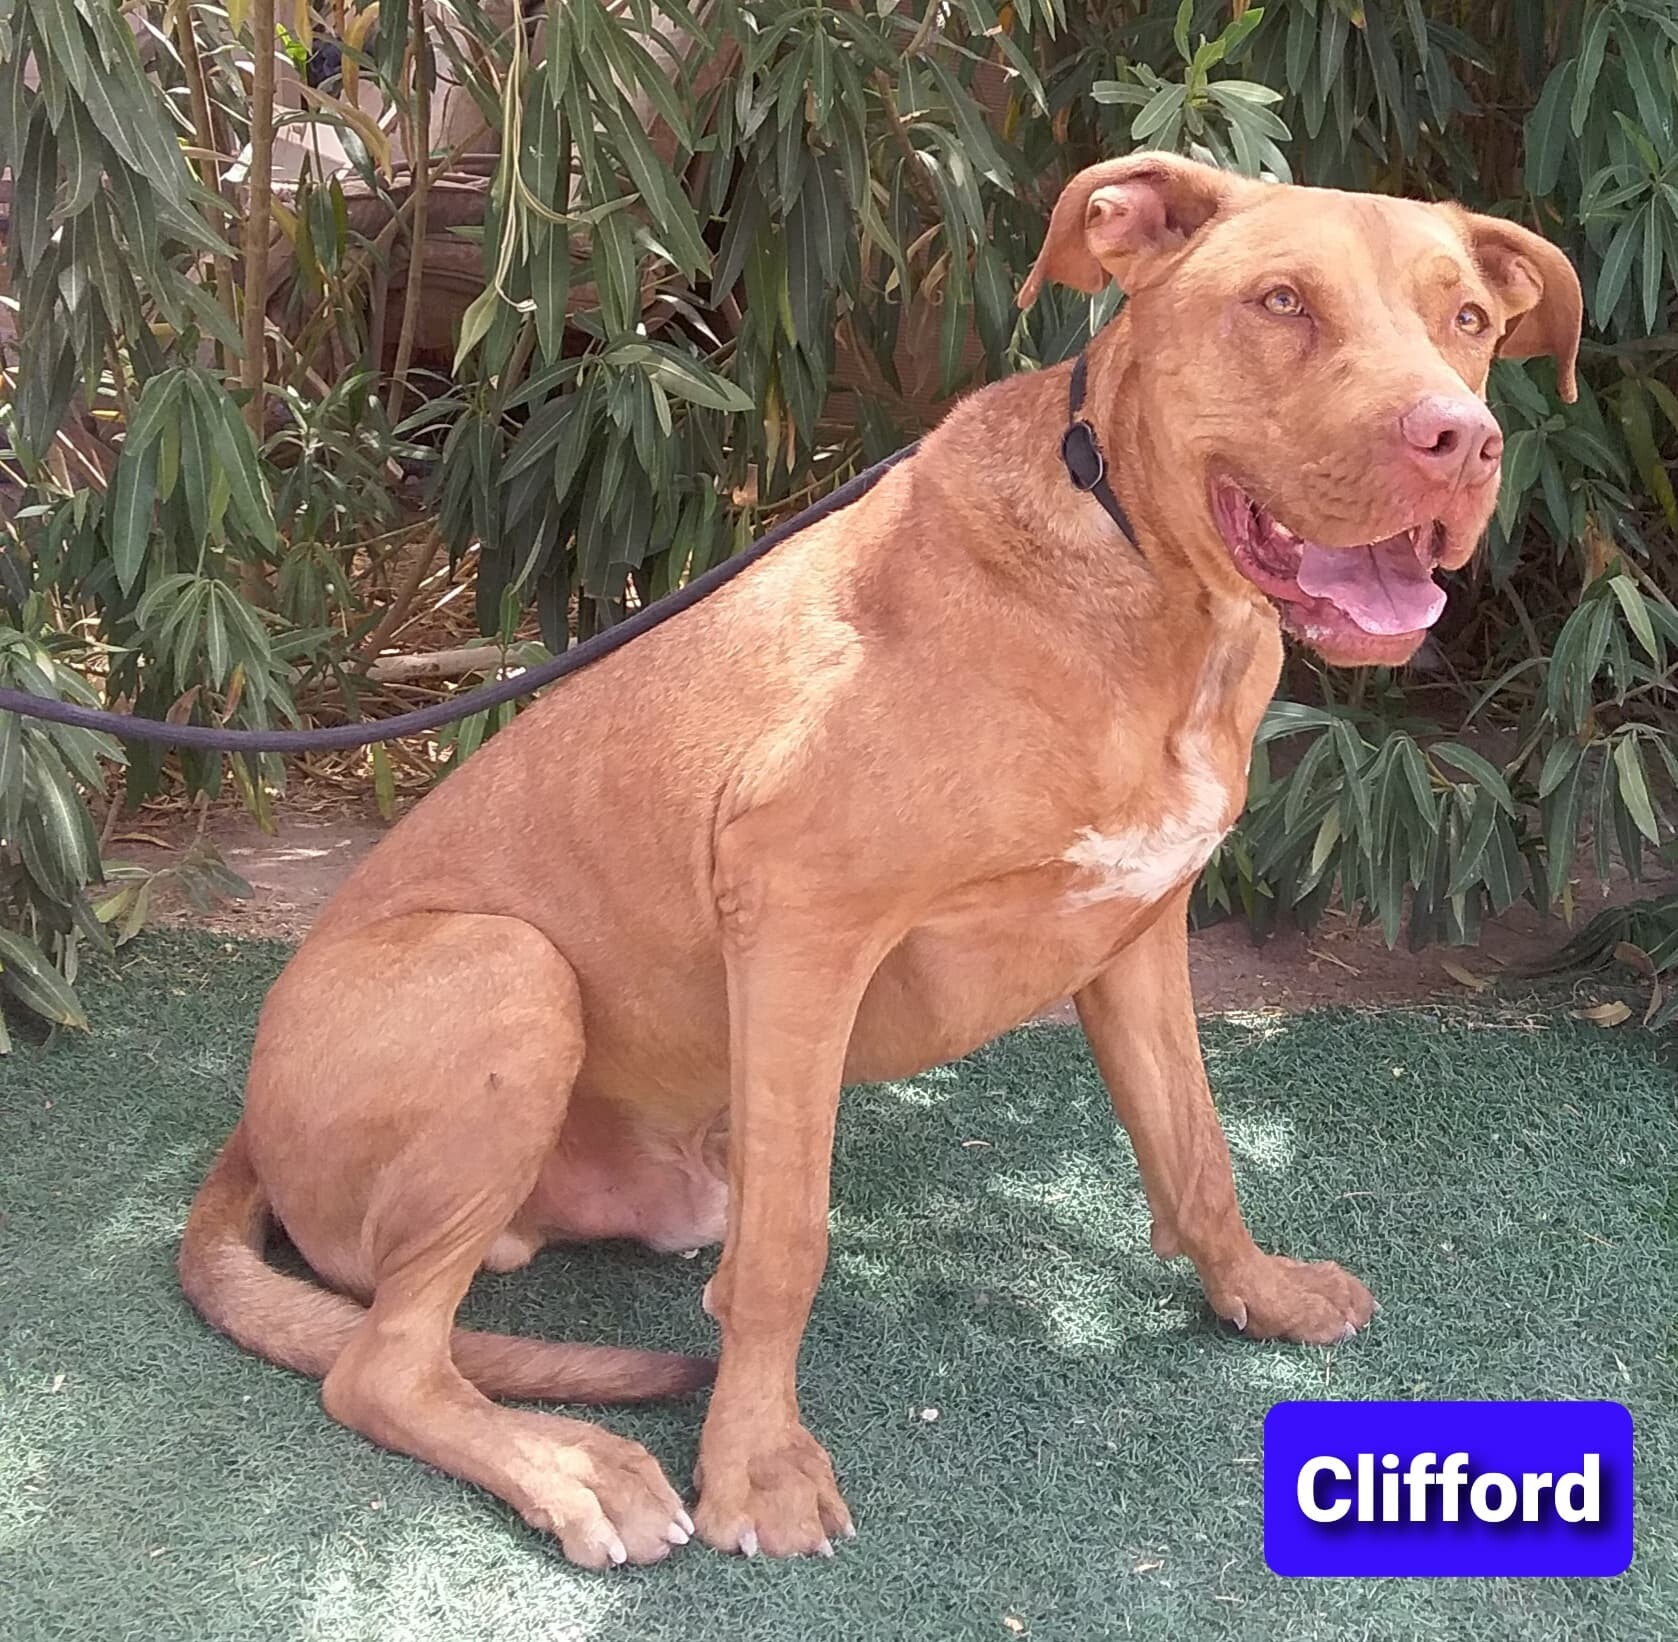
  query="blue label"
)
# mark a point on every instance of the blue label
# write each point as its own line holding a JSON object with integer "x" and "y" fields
{"x": 1418, "y": 1488}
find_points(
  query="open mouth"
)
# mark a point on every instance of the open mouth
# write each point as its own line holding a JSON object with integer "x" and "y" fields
{"x": 1373, "y": 601}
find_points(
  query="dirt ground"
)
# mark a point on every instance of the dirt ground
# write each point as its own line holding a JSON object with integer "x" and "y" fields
{"x": 293, "y": 872}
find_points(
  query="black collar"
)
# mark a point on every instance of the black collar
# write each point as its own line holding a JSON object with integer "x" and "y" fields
{"x": 1086, "y": 467}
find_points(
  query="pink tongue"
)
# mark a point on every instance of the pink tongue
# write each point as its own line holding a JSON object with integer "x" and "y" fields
{"x": 1384, "y": 589}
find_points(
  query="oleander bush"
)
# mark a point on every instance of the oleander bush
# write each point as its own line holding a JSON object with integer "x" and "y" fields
{"x": 718, "y": 255}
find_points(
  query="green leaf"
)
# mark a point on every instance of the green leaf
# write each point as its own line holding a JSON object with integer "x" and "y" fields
{"x": 1165, "y": 106}
{"x": 1240, "y": 31}
{"x": 11, "y": 773}
{"x": 1328, "y": 836}
{"x": 1634, "y": 789}
{"x": 1648, "y": 77}
{"x": 475, "y": 323}
{"x": 215, "y": 633}
{"x": 34, "y": 185}
{"x": 539, "y": 436}
{"x": 1636, "y": 614}
{"x": 235, "y": 457}
{"x": 1302, "y": 39}
{"x": 669, "y": 208}
{"x": 550, "y": 289}
{"x": 1654, "y": 256}
{"x": 993, "y": 303}
{"x": 1414, "y": 769}
{"x": 1546, "y": 132}
{"x": 384, "y": 781}
{"x": 36, "y": 984}
{"x": 134, "y": 912}
{"x": 82, "y": 156}
{"x": 1180, "y": 30}
{"x": 1471, "y": 763}
{"x": 970, "y": 125}
{"x": 195, "y": 473}
{"x": 59, "y": 845}
{"x": 1505, "y": 867}
{"x": 1522, "y": 454}
{"x": 952, "y": 335}
{"x": 1592, "y": 45}
{"x": 616, "y": 274}
{"x": 133, "y": 491}
{"x": 807, "y": 247}
{"x": 1474, "y": 850}
{"x": 685, "y": 378}
{"x": 1561, "y": 826}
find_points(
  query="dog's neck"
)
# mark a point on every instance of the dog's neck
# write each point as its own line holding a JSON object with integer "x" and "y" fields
{"x": 1031, "y": 525}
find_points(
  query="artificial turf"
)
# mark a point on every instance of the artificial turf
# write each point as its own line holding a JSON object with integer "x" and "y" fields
{"x": 1504, "y": 1182}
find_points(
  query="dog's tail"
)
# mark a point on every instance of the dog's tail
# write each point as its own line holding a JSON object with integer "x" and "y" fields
{"x": 301, "y": 1326}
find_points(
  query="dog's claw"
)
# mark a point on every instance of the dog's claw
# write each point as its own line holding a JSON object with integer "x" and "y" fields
{"x": 748, "y": 1542}
{"x": 676, "y": 1534}
{"x": 1239, "y": 1315}
{"x": 684, "y": 1521}
{"x": 616, "y": 1551}
{"x": 825, "y": 1548}
{"x": 1348, "y": 1332}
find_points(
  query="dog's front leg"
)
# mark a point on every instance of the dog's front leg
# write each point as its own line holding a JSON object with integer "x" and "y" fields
{"x": 1139, "y": 1017}
{"x": 793, "y": 988}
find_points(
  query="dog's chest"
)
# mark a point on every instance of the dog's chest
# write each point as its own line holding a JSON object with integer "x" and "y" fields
{"x": 1163, "y": 836}
{"x": 1154, "y": 806}
{"x": 1165, "y": 809}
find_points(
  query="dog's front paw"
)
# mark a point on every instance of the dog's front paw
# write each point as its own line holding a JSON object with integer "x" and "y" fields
{"x": 771, "y": 1491}
{"x": 1272, "y": 1298}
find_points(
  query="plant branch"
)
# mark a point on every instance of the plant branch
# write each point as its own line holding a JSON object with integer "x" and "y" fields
{"x": 468, "y": 659}
{"x": 396, "y": 612}
{"x": 258, "y": 213}
{"x": 420, "y": 193}
{"x": 208, "y": 149}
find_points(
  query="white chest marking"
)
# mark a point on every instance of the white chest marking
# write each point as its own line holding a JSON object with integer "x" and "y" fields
{"x": 1147, "y": 862}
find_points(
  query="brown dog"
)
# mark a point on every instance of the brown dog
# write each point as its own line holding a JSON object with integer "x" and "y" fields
{"x": 951, "y": 753}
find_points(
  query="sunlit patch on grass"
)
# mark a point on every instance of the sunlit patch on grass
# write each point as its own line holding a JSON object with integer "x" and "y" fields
{"x": 1270, "y": 1142}
{"x": 1279, "y": 1370}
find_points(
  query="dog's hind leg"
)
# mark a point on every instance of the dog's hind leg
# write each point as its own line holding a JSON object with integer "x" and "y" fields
{"x": 437, "y": 1054}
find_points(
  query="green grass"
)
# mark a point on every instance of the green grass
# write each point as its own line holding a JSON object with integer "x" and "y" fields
{"x": 1504, "y": 1186}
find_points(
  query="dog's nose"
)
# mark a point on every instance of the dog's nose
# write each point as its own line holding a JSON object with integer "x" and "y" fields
{"x": 1454, "y": 441}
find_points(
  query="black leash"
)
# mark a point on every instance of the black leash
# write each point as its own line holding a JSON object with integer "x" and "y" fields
{"x": 211, "y": 737}
{"x": 1079, "y": 449}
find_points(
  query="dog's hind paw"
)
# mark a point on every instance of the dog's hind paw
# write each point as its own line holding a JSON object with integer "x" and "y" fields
{"x": 607, "y": 1502}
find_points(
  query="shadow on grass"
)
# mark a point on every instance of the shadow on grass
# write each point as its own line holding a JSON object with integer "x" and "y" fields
{"x": 1032, "y": 1417}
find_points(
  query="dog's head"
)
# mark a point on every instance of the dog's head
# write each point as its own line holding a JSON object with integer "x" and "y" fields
{"x": 1311, "y": 368}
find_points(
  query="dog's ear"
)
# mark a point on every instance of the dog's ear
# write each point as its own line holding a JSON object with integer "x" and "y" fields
{"x": 1122, "y": 219}
{"x": 1539, "y": 291}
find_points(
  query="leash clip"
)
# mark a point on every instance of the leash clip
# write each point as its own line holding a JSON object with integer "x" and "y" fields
{"x": 1080, "y": 451}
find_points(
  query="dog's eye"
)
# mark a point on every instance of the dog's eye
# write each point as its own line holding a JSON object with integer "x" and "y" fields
{"x": 1284, "y": 300}
{"x": 1472, "y": 319}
